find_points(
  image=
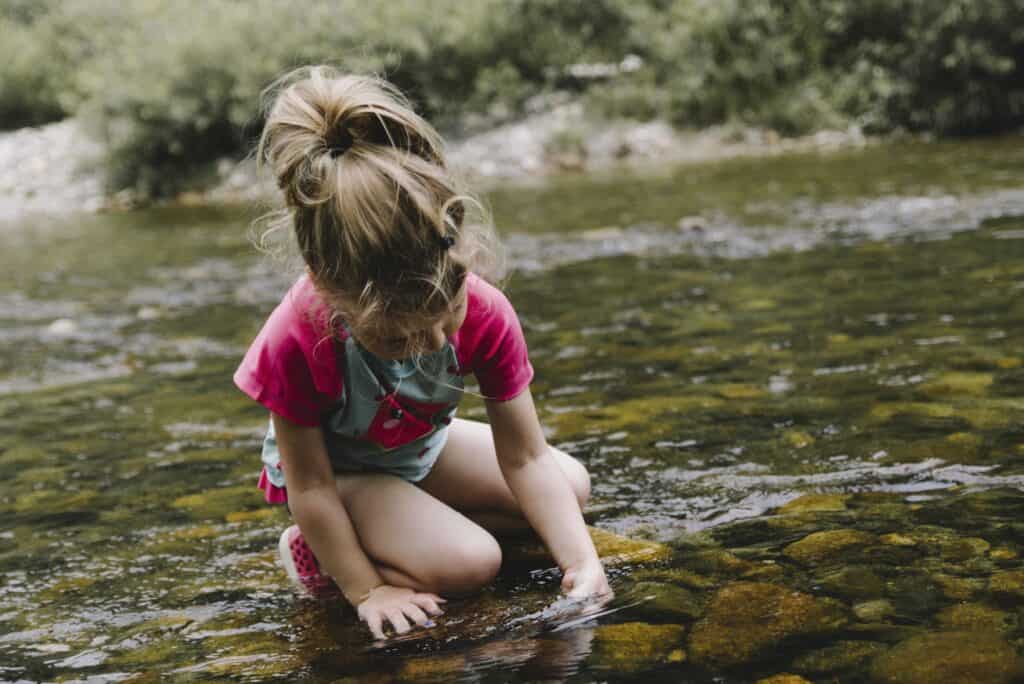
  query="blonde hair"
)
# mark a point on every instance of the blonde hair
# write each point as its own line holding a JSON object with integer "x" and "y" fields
{"x": 377, "y": 215}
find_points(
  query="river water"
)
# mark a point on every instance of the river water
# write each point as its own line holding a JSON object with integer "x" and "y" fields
{"x": 799, "y": 379}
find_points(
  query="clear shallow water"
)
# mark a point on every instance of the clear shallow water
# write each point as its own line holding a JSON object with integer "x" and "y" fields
{"x": 860, "y": 340}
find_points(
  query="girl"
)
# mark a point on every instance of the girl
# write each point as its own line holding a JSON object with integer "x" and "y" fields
{"x": 361, "y": 366}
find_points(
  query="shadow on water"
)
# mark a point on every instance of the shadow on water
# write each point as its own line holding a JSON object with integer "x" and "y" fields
{"x": 816, "y": 446}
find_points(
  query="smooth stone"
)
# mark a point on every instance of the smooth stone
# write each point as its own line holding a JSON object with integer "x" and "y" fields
{"x": 820, "y": 546}
{"x": 874, "y": 611}
{"x": 747, "y": 619}
{"x": 957, "y": 588}
{"x": 842, "y": 655}
{"x": 974, "y": 657}
{"x": 637, "y": 646}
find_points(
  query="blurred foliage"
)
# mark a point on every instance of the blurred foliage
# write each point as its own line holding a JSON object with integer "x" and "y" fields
{"x": 950, "y": 67}
{"x": 171, "y": 85}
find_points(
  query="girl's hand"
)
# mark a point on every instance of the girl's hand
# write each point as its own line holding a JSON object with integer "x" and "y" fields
{"x": 398, "y": 606}
{"x": 586, "y": 580}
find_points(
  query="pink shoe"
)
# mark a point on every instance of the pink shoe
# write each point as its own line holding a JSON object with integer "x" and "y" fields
{"x": 302, "y": 567}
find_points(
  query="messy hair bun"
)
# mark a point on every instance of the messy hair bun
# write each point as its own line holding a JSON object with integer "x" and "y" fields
{"x": 376, "y": 213}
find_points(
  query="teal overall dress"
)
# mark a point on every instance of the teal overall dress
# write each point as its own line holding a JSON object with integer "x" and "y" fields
{"x": 391, "y": 417}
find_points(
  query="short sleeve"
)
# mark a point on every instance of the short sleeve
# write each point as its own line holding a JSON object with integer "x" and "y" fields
{"x": 491, "y": 344}
{"x": 290, "y": 367}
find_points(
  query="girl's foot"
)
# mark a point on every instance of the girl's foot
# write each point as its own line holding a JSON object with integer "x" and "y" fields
{"x": 302, "y": 567}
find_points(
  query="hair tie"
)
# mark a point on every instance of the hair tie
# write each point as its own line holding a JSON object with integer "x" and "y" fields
{"x": 447, "y": 241}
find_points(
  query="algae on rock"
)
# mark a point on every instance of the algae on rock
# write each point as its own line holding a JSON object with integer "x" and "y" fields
{"x": 746, "y": 619}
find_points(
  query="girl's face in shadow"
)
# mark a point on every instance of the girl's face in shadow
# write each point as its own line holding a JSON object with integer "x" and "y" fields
{"x": 397, "y": 342}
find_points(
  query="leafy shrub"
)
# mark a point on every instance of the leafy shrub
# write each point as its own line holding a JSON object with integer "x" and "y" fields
{"x": 171, "y": 85}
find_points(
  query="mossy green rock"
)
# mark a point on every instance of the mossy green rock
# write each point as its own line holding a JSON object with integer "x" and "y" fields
{"x": 975, "y": 657}
{"x": 827, "y": 545}
{"x": 784, "y": 678}
{"x": 874, "y": 611}
{"x": 668, "y": 601}
{"x": 747, "y": 619}
{"x": 958, "y": 385}
{"x": 614, "y": 549}
{"x": 637, "y": 646}
{"x": 977, "y": 617}
{"x": 855, "y": 582}
{"x": 842, "y": 655}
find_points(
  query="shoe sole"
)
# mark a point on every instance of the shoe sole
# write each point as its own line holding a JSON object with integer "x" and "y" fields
{"x": 284, "y": 550}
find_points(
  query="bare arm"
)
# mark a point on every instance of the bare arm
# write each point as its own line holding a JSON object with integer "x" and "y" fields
{"x": 318, "y": 511}
{"x": 544, "y": 494}
{"x": 321, "y": 515}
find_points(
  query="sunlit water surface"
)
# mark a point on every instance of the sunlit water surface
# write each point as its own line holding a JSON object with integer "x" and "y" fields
{"x": 811, "y": 390}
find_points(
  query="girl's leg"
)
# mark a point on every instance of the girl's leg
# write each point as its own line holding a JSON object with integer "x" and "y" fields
{"x": 467, "y": 478}
{"x": 415, "y": 540}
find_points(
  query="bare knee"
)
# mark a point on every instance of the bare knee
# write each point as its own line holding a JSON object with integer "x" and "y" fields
{"x": 469, "y": 564}
{"x": 576, "y": 473}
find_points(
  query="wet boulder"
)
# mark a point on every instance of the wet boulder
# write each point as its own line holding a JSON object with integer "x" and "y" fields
{"x": 977, "y": 657}
{"x": 829, "y": 545}
{"x": 840, "y": 656}
{"x": 637, "y": 646}
{"x": 748, "y": 619}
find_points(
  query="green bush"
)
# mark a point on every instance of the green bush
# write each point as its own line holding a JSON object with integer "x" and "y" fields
{"x": 951, "y": 67}
{"x": 175, "y": 93}
{"x": 171, "y": 85}
{"x": 28, "y": 88}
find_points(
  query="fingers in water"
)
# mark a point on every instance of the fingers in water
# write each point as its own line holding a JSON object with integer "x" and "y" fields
{"x": 428, "y": 602}
{"x": 376, "y": 625}
{"x": 398, "y": 621}
{"x": 416, "y": 614}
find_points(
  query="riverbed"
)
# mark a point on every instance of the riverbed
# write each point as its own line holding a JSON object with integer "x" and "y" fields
{"x": 799, "y": 380}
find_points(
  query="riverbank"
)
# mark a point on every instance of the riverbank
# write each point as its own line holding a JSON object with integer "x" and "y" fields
{"x": 57, "y": 168}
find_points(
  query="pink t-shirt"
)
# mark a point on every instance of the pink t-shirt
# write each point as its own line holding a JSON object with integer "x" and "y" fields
{"x": 291, "y": 367}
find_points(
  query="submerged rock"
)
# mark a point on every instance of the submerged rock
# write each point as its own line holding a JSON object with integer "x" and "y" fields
{"x": 614, "y": 549}
{"x": 856, "y": 581}
{"x": 974, "y": 657}
{"x": 746, "y": 619}
{"x": 977, "y": 617}
{"x": 668, "y": 601}
{"x": 1009, "y": 584}
{"x": 842, "y": 655}
{"x": 679, "y": 576}
{"x": 637, "y": 646}
{"x": 826, "y": 545}
{"x": 784, "y": 678}
{"x": 874, "y": 611}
